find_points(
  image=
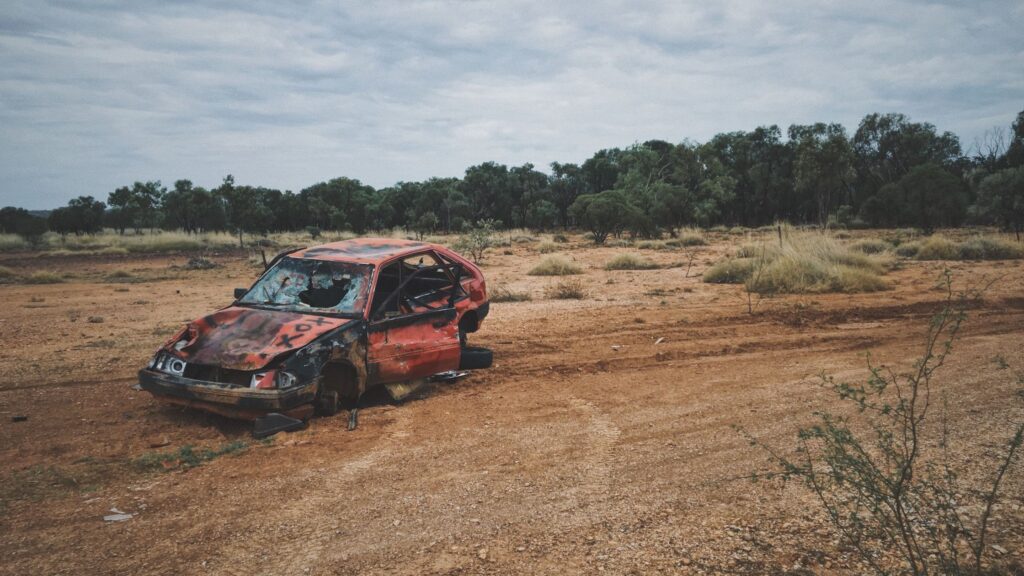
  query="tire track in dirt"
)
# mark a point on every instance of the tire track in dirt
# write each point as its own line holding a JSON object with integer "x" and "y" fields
{"x": 322, "y": 493}
{"x": 599, "y": 435}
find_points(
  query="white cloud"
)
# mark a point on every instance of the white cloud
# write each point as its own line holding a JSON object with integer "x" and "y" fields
{"x": 94, "y": 96}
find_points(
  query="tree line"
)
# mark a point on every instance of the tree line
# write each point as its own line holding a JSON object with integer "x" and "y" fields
{"x": 891, "y": 172}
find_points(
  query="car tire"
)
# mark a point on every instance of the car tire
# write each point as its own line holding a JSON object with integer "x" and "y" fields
{"x": 328, "y": 403}
{"x": 475, "y": 358}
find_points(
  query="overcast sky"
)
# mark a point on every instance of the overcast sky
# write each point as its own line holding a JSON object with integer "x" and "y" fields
{"x": 98, "y": 94}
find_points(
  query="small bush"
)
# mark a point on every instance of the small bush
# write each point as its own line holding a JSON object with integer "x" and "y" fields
{"x": 200, "y": 263}
{"x": 7, "y": 275}
{"x": 732, "y": 271}
{"x": 629, "y": 262}
{"x": 555, "y": 266}
{"x": 689, "y": 239}
{"x": 908, "y": 249}
{"x": 547, "y": 247}
{"x": 567, "y": 290}
{"x": 560, "y": 238}
{"x": 990, "y": 248}
{"x": 12, "y": 242}
{"x": 504, "y": 294}
{"x": 44, "y": 277}
{"x": 938, "y": 248}
{"x": 871, "y": 246}
{"x": 523, "y": 239}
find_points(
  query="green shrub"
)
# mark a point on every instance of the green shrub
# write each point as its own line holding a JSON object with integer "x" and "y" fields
{"x": 555, "y": 266}
{"x": 629, "y": 262}
{"x": 567, "y": 290}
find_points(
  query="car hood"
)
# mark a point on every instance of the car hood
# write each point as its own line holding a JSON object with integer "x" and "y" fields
{"x": 248, "y": 339}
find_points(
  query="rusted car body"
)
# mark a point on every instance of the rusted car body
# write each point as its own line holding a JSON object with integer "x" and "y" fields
{"x": 324, "y": 324}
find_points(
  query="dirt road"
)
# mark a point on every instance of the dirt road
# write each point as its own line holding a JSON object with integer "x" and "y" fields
{"x": 602, "y": 440}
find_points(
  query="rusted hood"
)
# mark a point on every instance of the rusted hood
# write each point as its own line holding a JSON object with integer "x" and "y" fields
{"x": 248, "y": 338}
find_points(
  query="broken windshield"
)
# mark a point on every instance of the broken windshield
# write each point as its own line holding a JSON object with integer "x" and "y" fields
{"x": 315, "y": 286}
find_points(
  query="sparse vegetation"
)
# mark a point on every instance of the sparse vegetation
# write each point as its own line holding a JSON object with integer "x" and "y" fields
{"x": 43, "y": 277}
{"x": 871, "y": 246}
{"x": 548, "y": 247}
{"x": 976, "y": 248}
{"x": 187, "y": 456}
{"x": 505, "y": 294}
{"x": 7, "y": 275}
{"x": 877, "y": 482}
{"x": 567, "y": 290}
{"x": 555, "y": 266}
{"x": 806, "y": 262}
{"x": 629, "y": 262}
{"x": 477, "y": 240}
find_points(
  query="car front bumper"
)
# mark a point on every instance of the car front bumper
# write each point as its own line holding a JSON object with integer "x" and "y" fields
{"x": 230, "y": 401}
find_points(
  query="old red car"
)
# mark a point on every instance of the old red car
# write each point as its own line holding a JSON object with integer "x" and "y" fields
{"x": 324, "y": 324}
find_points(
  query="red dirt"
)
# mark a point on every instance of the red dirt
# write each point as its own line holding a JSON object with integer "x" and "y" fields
{"x": 588, "y": 447}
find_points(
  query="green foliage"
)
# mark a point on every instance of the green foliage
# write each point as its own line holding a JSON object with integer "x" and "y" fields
{"x": 477, "y": 240}
{"x": 1001, "y": 198}
{"x": 876, "y": 483}
{"x": 187, "y": 456}
{"x": 604, "y": 213}
{"x": 554, "y": 266}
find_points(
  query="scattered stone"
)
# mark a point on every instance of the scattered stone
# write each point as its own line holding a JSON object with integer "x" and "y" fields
{"x": 19, "y": 418}
{"x": 200, "y": 263}
{"x": 482, "y": 553}
{"x": 159, "y": 443}
{"x": 616, "y": 347}
{"x": 95, "y": 320}
{"x": 659, "y": 340}
{"x": 999, "y": 549}
{"x": 117, "y": 516}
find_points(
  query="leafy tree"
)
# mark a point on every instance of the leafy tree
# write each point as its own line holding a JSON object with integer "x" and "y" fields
{"x": 604, "y": 213}
{"x": 822, "y": 165}
{"x": 191, "y": 208}
{"x": 933, "y": 198}
{"x": 138, "y": 206}
{"x": 1001, "y": 198}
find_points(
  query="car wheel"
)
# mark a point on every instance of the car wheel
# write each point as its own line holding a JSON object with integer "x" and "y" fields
{"x": 327, "y": 402}
{"x": 475, "y": 358}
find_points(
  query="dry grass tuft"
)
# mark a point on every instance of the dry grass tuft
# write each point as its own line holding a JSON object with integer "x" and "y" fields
{"x": 806, "y": 262}
{"x": 505, "y": 294}
{"x": 43, "y": 277}
{"x": 629, "y": 262}
{"x": 548, "y": 247}
{"x": 7, "y": 275}
{"x": 976, "y": 248}
{"x": 555, "y": 266}
{"x": 871, "y": 246}
{"x": 567, "y": 290}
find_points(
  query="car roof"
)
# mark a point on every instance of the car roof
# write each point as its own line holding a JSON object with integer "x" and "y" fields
{"x": 363, "y": 250}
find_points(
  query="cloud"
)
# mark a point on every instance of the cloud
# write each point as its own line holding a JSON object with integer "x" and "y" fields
{"x": 96, "y": 95}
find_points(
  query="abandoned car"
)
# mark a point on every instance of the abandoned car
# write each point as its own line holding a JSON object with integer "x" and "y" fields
{"x": 322, "y": 325}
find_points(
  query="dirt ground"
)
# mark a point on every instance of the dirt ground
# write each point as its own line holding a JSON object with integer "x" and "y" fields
{"x": 602, "y": 440}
